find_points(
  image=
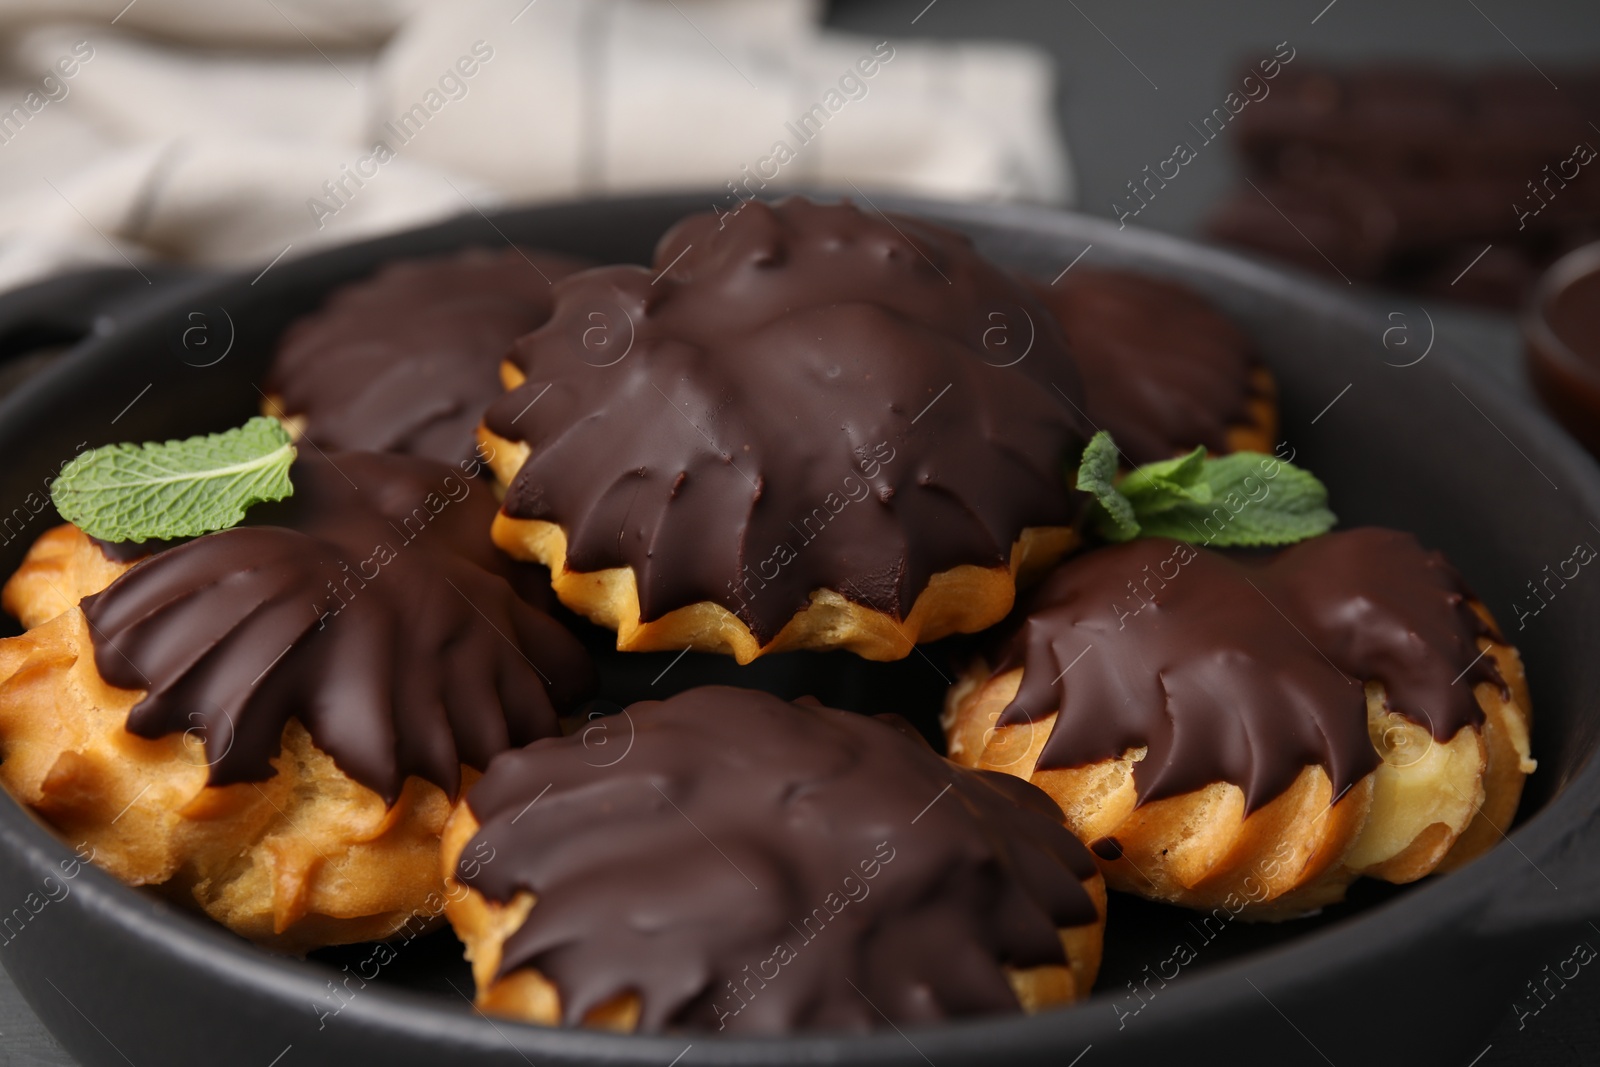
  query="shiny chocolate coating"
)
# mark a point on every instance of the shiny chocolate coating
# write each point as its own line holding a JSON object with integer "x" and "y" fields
{"x": 1163, "y": 371}
{"x": 750, "y": 865}
{"x": 407, "y": 360}
{"x": 796, "y": 397}
{"x": 1245, "y": 667}
{"x": 371, "y": 606}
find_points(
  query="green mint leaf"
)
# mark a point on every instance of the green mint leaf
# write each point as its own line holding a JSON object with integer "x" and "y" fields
{"x": 1156, "y": 487}
{"x": 1245, "y": 499}
{"x": 1255, "y": 500}
{"x": 1113, "y": 516}
{"x": 1184, "y": 471}
{"x": 164, "y": 490}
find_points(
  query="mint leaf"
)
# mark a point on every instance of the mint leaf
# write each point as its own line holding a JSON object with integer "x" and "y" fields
{"x": 1155, "y": 487}
{"x": 1239, "y": 500}
{"x": 1254, "y": 500}
{"x": 177, "y": 488}
{"x": 1114, "y": 518}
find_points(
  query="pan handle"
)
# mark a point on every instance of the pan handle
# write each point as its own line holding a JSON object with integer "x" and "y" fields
{"x": 62, "y": 311}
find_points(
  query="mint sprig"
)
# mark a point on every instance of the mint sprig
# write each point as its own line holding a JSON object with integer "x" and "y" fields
{"x": 1114, "y": 517}
{"x": 163, "y": 490}
{"x": 1240, "y": 500}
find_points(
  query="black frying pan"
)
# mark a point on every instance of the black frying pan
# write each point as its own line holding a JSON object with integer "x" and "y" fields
{"x": 1415, "y": 975}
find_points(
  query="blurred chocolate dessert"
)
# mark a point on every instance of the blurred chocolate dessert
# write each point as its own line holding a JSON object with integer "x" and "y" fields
{"x": 1439, "y": 182}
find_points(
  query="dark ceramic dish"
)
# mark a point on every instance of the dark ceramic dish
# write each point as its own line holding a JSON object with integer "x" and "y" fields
{"x": 1568, "y": 381}
{"x": 1414, "y": 975}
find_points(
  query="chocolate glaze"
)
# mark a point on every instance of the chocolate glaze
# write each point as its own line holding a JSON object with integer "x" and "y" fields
{"x": 1163, "y": 370}
{"x": 704, "y": 850}
{"x": 1229, "y": 683}
{"x": 797, "y": 397}
{"x": 371, "y": 606}
{"x": 407, "y": 360}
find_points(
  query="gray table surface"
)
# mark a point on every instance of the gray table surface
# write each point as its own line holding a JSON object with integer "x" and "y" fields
{"x": 1132, "y": 76}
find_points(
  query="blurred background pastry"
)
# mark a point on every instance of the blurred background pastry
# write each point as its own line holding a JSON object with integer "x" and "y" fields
{"x": 407, "y": 360}
{"x": 1404, "y": 175}
{"x": 1163, "y": 371}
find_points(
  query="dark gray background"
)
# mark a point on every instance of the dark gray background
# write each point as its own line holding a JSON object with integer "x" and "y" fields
{"x": 1128, "y": 90}
{"x": 1116, "y": 120}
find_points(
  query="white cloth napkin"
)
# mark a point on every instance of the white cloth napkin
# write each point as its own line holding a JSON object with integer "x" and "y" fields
{"x": 228, "y": 133}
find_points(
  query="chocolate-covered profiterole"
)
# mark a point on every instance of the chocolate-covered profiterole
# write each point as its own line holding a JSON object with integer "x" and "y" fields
{"x": 407, "y": 360}
{"x": 794, "y": 398}
{"x": 833, "y": 856}
{"x": 370, "y": 606}
{"x": 1163, "y": 370}
{"x": 1246, "y": 668}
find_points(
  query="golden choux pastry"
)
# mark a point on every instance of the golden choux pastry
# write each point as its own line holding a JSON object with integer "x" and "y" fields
{"x": 1257, "y": 731}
